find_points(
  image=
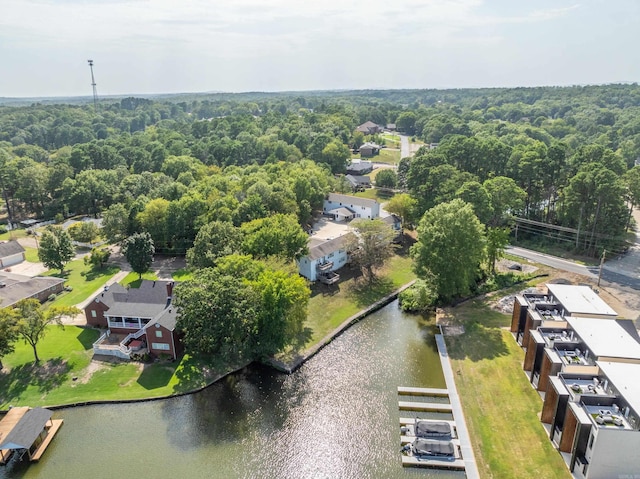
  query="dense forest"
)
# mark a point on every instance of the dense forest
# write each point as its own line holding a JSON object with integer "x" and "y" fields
{"x": 173, "y": 164}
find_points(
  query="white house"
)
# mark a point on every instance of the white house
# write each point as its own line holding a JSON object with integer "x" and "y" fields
{"x": 361, "y": 207}
{"x": 324, "y": 258}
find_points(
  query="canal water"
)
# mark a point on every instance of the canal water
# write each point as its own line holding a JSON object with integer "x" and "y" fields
{"x": 336, "y": 417}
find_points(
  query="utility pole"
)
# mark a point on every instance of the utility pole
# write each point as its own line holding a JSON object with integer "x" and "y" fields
{"x": 604, "y": 253}
{"x": 93, "y": 84}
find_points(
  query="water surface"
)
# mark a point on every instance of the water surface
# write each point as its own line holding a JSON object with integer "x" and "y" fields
{"x": 336, "y": 417}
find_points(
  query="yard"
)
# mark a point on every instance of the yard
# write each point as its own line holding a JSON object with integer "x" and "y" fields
{"x": 83, "y": 279}
{"x": 67, "y": 375}
{"x": 500, "y": 405}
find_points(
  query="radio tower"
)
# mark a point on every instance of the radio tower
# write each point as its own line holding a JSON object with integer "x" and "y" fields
{"x": 93, "y": 84}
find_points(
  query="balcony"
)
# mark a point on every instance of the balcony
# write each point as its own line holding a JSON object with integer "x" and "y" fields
{"x": 329, "y": 277}
{"x": 325, "y": 266}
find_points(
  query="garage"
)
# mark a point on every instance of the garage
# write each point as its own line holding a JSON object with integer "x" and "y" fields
{"x": 11, "y": 252}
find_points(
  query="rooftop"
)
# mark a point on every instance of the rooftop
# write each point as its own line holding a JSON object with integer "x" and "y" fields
{"x": 9, "y": 248}
{"x": 17, "y": 287}
{"x": 624, "y": 376}
{"x": 351, "y": 200}
{"x": 578, "y": 300}
{"x": 605, "y": 338}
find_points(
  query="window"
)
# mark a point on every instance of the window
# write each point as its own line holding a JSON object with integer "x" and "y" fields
{"x": 591, "y": 439}
{"x": 93, "y": 313}
{"x": 160, "y": 346}
{"x": 158, "y": 333}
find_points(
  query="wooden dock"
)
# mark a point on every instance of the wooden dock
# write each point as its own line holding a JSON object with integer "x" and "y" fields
{"x": 431, "y": 392}
{"x": 424, "y": 406}
{"x": 51, "y": 432}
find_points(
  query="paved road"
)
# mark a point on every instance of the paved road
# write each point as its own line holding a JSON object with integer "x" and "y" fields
{"x": 620, "y": 277}
{"x": 406, "y": 147}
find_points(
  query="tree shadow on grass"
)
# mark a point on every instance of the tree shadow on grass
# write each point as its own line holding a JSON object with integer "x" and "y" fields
{"x": 87, "y": 337}
{"x": 478, "y": 342}
{"x": 365, "y": 293}
{"x": 96, "y": 272}
{"x": 45, "y": 376}
{"x": 156, "y": 375}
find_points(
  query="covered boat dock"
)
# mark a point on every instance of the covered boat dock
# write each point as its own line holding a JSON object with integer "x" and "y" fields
{"x": 26, "y": 431}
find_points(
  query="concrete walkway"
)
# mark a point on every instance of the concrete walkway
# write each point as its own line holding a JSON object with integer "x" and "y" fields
{"x": 469, "y": 458}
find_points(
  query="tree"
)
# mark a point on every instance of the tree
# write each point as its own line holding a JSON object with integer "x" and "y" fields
{"x": 154, "y": 220}
{"x": 115, "y": 222}
{"x": 56, "y": 248}
{"x": 406, "y": 122}
{"x": 139, "y": 251}
{"x": 497, "y": 241}
{"x": 387, "y": 178}
{"x": 84, "y": 232}
{"x": 450, "y": 247}
{"x": 336, "y": 154}
{"x": 403, "y": 206}
{"x": 241, "y": 308}
{"x": 506, "y": 199}
{"x": 32, "y": 320}
{"x": 214, "y": 240}
{"x": 277, "y": 235}
{"x": 370, "y": 245}
{"x": 98, "y": 257}
{"x": 8, "y": 332}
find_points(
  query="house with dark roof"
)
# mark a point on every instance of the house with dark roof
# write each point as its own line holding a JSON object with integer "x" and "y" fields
{"x": 14, "y": 287}
{"x": 11, "y": 252}
{"x": 358, "y": 182}
{"x": 137, "y": 320}
{"x": 369, "y": 149}
{"x": 358, "y": 167}
{"x": 369, "y": 128}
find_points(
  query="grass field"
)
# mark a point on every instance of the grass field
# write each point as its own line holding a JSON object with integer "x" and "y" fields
{"x": 31, "y": 254}
{"x": 387, "y": 155}
{"x": 66, "y": 354}
{"x": 500, "y": 405}
{"x": 83, "y": 279}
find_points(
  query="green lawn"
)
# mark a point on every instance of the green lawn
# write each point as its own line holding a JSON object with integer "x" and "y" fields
{"x": 391, "y": 140}
{"x": 500, "y": 405}
{"x": 31, "y": 254}
{"x": 329, "y": 306}
{"x": 15, "y": 234}
{"x": 387, "y": 155}
{"x": 183, "y": 274}
{"x": 134, "y": 280}
{"x": 83, "y": 279}
{"x": 375, "y": 194}
{"x": 66, "y": 353}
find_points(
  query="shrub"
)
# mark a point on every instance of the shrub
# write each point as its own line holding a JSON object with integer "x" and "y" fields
{"x": 58, "y": 218}
{"x": 68, "y": 288}
{"x": 51, "y": 297}
{"x": 419, "y": 297}
{"x": 3, "y": 229}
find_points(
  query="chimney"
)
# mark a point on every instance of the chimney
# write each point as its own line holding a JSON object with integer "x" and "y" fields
{"x": 170, "y": 289}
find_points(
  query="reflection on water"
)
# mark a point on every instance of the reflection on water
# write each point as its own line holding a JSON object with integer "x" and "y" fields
{"x": 336, "y": 417}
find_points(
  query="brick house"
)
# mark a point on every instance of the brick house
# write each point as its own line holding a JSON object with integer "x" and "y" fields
{"x": 137, "y": 320}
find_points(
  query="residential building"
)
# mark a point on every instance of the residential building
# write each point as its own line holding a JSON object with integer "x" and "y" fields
{"x": 533, "y": 310}
{"x": 594, "y": 420}
{"x": 358, "y": 183}
{"x": 369, "y": 149}
{"x": 369, "y": 128}
{"x": 11, "y": 252}
{"x": 359, "y": 167}
{"x": 327, "y": 245}
{"x": 14, "y": 287}
{"x": 137, "y": 320}
{"x": 324, "y": 258}
{"x": 577, "y": 346}
{"x": 391, "y": 127}
{"x": 360, "y": 207}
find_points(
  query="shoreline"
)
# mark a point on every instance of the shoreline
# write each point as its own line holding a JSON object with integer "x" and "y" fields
{"x": 281, "y": 366}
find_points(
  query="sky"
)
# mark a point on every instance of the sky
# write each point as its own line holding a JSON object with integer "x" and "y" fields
{"x": 171, "y": 46}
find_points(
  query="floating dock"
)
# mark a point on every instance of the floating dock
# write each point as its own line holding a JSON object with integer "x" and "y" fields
{"x": 424, "y": 406}
{"x": 431, "y": 392}
{"x": 463, "y": 458}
